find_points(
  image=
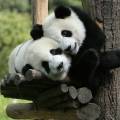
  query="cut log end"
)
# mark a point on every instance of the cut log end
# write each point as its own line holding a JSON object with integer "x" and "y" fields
{"x": 90, "y": 111}
{"x": 73, "y": 92}
{"x": 84, "y": 95}
{"x": 64, "y": 88}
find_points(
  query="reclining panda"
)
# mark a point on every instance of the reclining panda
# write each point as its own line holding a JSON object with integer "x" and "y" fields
{"x": 81, "y": 38}
{"x": 43, "y": 55}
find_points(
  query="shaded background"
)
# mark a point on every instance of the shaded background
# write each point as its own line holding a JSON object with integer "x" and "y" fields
{"x": 15, "y": 26}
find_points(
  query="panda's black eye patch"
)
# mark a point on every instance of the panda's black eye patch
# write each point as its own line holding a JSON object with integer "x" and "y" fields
{"x": 46, "y": 66}
{"x": 66, "y": 33}
{"x": 57, "y": 51}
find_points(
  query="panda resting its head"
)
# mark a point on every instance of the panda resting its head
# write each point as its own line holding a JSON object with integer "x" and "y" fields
{"x": 72, "y": 28}
{"x": 42, "y": 55}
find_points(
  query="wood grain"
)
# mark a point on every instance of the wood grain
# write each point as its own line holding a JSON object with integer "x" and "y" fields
{"x": 40, "y": 11}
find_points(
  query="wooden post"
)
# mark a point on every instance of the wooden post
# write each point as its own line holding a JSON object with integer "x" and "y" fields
{"x": 40, "y": 11}
{"x": 109, "y": 96}
{"x": 28, "y": 111}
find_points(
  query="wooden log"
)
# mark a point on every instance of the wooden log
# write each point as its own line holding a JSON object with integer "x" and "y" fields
{"x": 53, "y": 102}
{"x": 22, "y": 89}
{"x": 68, "y": 105}
{"x": 63, "y": 95}
{"x": 64, "y": 88}
{"x": 28, "y": 111}
{"x": 73, "y": 92}
{"x": 34, "y": 92}
{"x": 40, "y": 10}
{"x": 84, "y": 95}
{"x": 51, "y": 93}
{"x": 91, "y": 111}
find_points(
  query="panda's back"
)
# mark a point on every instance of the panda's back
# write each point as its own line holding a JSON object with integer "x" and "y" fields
{"x": 42, "y": 46}
{"x": 16, "y": 58}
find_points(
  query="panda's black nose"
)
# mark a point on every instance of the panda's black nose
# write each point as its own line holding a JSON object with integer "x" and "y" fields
{"x": 60, "y": 66}
{"x": 68, "y": 49}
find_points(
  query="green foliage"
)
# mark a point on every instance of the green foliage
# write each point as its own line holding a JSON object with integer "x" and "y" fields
{"x": 17, "y": 5}
{"x": 53, "y": 3}
{"x": 3, "y": 104}
{"x": 14, "y": 28}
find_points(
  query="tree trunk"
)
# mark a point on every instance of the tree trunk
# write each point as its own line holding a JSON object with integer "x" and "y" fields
{"x": 40, "y": 11}
{"x": 108, "y": 12}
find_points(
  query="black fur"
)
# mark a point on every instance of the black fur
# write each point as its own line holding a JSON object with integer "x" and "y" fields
{"x": 90, "y": 68}
{"x": 83, "y": 69}
{"x": 66, "y": 33}
{"x": 46, "y": 66}
{"x": 95, "y": 38}
{"x": 62, "y": 12}
{"x": 26, "y": 68}
{"x": 37, "y": 32}
{"x": 57, "y": 51}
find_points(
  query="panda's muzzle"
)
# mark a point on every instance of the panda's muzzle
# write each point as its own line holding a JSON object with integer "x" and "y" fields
{"x": 60, "y": 66}
{"x": 69, "y": 48}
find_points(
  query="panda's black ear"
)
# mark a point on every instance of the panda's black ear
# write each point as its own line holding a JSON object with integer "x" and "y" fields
{"x": 36, "y": 32}
{"x": 62, "y": 12}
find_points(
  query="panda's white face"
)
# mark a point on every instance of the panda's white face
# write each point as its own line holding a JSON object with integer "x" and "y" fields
{"x": 68, "y": 32}
{"x": 44, "y": 55}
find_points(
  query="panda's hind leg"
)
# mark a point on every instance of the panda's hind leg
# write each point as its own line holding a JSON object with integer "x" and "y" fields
{"x": 85, "y": 67}
{"x": 26, "y": 68}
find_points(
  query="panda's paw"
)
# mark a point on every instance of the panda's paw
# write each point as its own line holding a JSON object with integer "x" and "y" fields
{"x": 69, "y": 46}
{"x": 92, "y": 57}
{"x": 92, "y": 53}
{"x": 26, "y": 68}
{"x": 72, "y": 49}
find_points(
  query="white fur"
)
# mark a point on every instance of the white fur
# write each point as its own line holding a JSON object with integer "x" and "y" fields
{"x": 53, "y": 27}
{"x": 34, "y": 52}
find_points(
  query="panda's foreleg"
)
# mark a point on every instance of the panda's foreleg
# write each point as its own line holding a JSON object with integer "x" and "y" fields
{"x": 84, "y": 68}
{"x": 110, "y": 59}
{"x": 26, "y": 68}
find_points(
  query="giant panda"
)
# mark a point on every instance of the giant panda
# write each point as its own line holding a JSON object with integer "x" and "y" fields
{"x": 81, "y": 38}
{"x": 43, "y": 55}
{"x": 75, "y": 33}
{"x": 72, "y": 28}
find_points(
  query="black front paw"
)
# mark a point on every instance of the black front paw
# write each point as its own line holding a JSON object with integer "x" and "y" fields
{"x": 26, "y": 68}
{"x": 85, "y": 68}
